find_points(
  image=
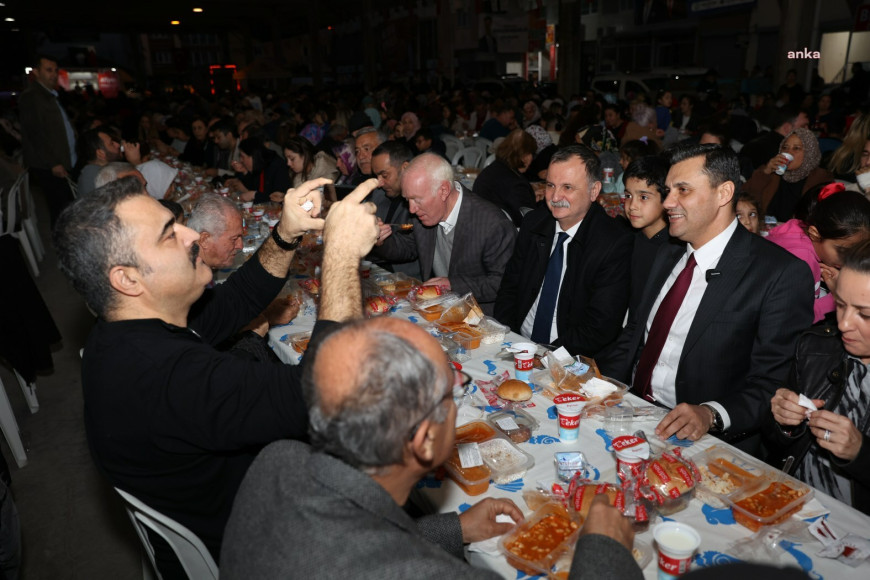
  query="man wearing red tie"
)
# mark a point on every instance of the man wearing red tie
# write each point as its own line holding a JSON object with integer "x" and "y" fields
{"x": 719, "y": 317}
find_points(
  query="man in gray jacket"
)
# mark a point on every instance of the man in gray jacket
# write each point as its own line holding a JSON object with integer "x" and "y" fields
{"x": 48, "y": 139}
{"x": 382, "y": 415}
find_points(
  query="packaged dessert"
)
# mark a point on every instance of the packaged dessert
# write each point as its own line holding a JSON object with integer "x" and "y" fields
{"x": 420, "y": 293}
{"x": 768, "y": 500}
{"x": 298, "y": 341}
{"x": 672, "y": 480}
{"x": 375, "y": 305}
{"x": 515, "y": 423}
{"x": 569, "y": 464}
{"x": 532, "y": 546}
{"x": 311, "y": 286}
{"x": 571, "y": 376}
{"x": 506, "y": 461}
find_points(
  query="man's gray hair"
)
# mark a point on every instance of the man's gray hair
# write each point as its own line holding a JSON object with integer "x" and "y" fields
{"x": 396, "y": 388}
{"x": 366, "y": 130}
{"x": 111, "y": 171}
{"x": 210, "y": 214}
{"x": 90, "y": 240}
{"x": 437, "y": 169}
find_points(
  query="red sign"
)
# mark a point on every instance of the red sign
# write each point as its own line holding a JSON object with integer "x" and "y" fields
{"x": 109, "y": 84}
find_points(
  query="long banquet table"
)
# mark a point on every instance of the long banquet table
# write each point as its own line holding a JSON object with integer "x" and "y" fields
{"x": 717, "y": 527}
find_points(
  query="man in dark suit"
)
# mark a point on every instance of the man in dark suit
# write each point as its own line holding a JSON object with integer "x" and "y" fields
{"x": 716, "y": 327}
{"x": 48, "y": 139}
{"x": 462, "y": 241}
{"x": 591, "y": 279}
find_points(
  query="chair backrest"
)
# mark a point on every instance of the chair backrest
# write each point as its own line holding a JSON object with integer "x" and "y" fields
{"x": 483, "y": 144}
{"x": 192, "y": 553}
{"x": 13, "y": 224}
{"x": 469, "y": 157}
{"x": 489, "y": 159}
{"x": 452, "y": 145}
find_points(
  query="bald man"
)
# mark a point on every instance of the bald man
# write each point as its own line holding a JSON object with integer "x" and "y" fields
{"x": 382, "y": 415}
{"x": 462, "y": 241}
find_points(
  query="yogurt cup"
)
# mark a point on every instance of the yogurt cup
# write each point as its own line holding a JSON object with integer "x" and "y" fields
{"x": 568, "y": 407}
{"x": 676, "y": 543}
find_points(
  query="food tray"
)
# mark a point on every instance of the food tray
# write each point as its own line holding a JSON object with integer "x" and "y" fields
{"x": 724, "y": 471}
{"x": 532, "y": 546}
{"x": 493, "y": 332}
{"x": 525, "y": 424}
{"x": 783, "y": 506}
{"x": 472, "y": 480}
{"x": 506, "y": 461}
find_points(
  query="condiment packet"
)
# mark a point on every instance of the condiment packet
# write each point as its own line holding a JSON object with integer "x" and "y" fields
{"x": 849, "y": 549}
{"x": 812, "y": 509}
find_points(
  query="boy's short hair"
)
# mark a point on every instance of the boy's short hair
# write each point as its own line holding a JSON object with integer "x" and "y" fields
{"x": 652, "y": 170}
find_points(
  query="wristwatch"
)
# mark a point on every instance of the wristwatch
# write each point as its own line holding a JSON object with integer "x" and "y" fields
{"x": 718, "y": 424}
{"x": 283, "y": 244}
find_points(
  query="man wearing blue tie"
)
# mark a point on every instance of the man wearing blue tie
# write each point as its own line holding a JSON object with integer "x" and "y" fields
{"x": 567, "y": 283}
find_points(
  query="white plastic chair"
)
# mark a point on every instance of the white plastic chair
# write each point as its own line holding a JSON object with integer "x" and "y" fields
{"x": 483, "y": 144}
{"x": 452, "y": 145}
{"x": 9, "y": 426}
{"x": 488, "y": 161}
{"x": 28, "y": 217}
{"x": 468, "y": 157}
{"x": 191, "y": 552}
{"x": 15, "y": 229}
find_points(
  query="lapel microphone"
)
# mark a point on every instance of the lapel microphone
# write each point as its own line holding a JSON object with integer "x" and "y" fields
{"x": 713, "y": 274}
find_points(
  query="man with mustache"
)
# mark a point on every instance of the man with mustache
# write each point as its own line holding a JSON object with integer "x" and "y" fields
{"x": 169, "y": 418}
{"x": 567, "y": 283}
{"x": 716, "y": 326}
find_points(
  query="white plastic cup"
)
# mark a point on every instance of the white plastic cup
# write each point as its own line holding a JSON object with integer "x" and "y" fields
{"x": 676, "y": 543}
{"x": 523, "y": 364}
{"x": 568, "y": 408}
{"x": 365, "y": 268}
{"x": 781, "y": 169}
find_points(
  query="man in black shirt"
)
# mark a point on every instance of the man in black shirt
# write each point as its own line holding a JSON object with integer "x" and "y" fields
{"x": 170, "y": 419}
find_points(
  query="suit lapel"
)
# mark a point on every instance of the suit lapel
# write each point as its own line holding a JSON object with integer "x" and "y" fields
{"x": 462, "y": 232}
{"x": 426, "y": 249}
{"x": 666, "y": 258}
{"x": 735, "y": 260}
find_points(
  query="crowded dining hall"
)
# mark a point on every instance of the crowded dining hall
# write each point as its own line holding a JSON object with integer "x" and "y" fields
{"x": 479, "y": 300}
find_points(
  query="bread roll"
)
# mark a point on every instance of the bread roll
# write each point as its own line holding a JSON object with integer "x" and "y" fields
{"x": 514, "y": 390}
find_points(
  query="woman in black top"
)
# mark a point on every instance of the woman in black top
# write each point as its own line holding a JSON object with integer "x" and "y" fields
{"x": 502, "y": 182}
{"x": 263, "y": 174}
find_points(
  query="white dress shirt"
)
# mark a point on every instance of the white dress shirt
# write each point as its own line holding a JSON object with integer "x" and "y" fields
{"x": 529, "y": 322}
{"x": 664, "y": 376}
{"x": 450, "y": 222}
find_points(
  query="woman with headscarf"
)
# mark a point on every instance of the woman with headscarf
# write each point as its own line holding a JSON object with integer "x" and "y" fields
{"x": 531, "y": 114}
{"x": 410, "y": 124}
{"x": 544, "y": 149}
{"x": 780, "y": 194}
{"x": 502, "y": 182}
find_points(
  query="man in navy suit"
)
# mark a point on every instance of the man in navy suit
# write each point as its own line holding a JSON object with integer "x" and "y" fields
{"x": 726, "y": 346}
{"x": 591, "y": 276}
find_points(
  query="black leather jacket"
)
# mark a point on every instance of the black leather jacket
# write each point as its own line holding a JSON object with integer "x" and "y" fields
{"x": 819, "y": 371}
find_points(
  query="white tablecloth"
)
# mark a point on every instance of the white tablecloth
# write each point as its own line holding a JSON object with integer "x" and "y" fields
{"x": 716, "y": 526}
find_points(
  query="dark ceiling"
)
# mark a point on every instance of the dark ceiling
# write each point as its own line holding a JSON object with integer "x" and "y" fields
{"x": 59, "y": 16}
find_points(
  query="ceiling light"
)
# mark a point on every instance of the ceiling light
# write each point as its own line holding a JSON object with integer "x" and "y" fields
{"x": 114, "y": 69}
{"x": 10, "y": 20}
{"x": 197, "y": 10}
{"x": 175, "y": 22}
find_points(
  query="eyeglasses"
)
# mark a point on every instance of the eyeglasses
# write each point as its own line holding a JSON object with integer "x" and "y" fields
{"x": 461, "y": 382}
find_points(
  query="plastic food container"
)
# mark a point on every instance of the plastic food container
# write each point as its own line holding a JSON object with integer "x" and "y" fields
{"x": 506, "y": 461}
{"x": 475, "y": 432}
{"x": 396, "y": 285}
{"x": 532, "y": 546}
{"x": 768, "y": 500}
{"x": 724, "y": 471}
{"x": 432, "y": 310}
{"x": 561, "y": 568}
{"x": 298, "y": 341}
{"x": 515, "y": 423}
{"x": 493, "y": 332}
{"x": 473, "y": 480}
{"x": 673, "y": 482}
{"x": 467, "y": 338}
